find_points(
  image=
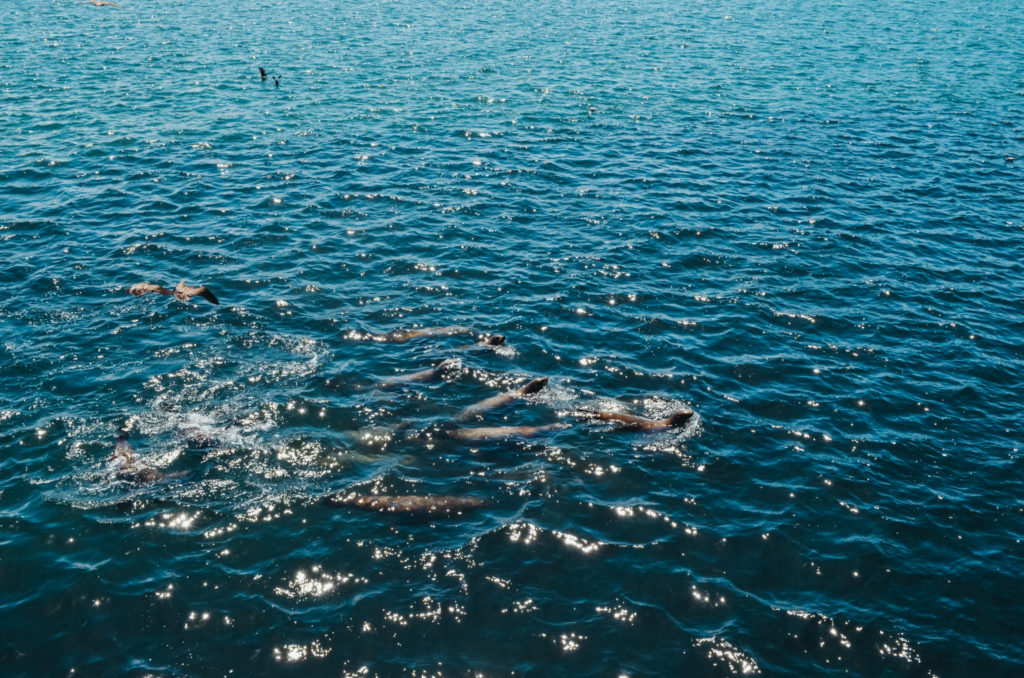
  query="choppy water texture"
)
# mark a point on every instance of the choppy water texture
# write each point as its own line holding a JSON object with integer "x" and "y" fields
{"x": 803, "y": 220}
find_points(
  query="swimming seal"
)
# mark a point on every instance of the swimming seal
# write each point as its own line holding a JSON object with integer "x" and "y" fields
{"x": 486, "y": 341}
{"x": 124, "y": 454}
{"x": 631, "y": 422}
{"x": 502, "y": 399}
{"x": 182, "y": 291}
{"x": 434, "y": 373}
{"x": 501, "y": 432}
{"x": 407, "y": 503}
{"x": 402, "y": 336}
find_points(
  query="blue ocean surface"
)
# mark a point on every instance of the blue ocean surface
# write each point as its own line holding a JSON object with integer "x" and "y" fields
{"x": 801, "y": 221}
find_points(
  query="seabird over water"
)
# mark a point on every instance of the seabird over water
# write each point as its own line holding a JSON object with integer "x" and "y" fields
{"x": 182, "y": 291}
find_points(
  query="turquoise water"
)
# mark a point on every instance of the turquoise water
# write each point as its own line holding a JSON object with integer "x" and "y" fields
{"x": 804, "y": 222}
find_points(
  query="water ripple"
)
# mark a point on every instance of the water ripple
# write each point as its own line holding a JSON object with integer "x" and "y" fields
{"x": 801, "y": 222}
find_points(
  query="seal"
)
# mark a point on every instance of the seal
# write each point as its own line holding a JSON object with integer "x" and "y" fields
{"x": 100, "y": 3}
{"x": 407, "y": 503}
{"x": 123, "y": 450}
{"x": 483, "y": 433}
{"x": 182, "y": 291}
{"x": 502, "y": 399}
{"x": 402, "y": 336}
{"x": 631, "y": 422}
{"x": 128, "y": 463}
{"x": 435, "y": 373}
{"x": 486, "y": 341}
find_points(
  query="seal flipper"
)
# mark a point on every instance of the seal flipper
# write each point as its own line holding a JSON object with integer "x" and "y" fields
{"x": 681, "y": 418}
{"x": 534, "y": 386}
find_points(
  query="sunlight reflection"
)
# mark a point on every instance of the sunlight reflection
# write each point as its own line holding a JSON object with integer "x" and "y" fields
{"x": 737, "y": 662}
{"x": 316, "y": 583}
{"x": 296, "y": 653}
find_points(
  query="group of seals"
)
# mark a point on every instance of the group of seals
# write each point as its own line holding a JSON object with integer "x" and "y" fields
{"x": 621, "y": 421}
{"x": 456, "y": 430}
{"x": 417, "y": 504}
{"x": 448, "y": 505}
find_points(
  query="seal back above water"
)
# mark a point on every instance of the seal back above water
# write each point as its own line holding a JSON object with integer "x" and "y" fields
{"x": 407, "y": 503}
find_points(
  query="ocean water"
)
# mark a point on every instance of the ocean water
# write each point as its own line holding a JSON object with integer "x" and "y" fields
{"x": 803, "y": 221}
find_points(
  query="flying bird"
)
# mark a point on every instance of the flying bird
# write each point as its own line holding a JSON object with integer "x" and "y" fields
{"x": 182, "y": 292}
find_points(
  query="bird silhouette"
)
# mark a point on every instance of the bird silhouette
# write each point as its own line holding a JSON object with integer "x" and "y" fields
{"x": 181, "y": 292}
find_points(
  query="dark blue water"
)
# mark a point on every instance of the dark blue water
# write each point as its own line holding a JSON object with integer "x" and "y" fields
{"x": 803, "y": 221}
